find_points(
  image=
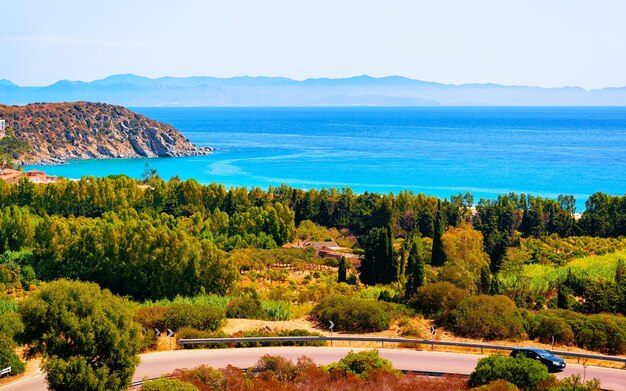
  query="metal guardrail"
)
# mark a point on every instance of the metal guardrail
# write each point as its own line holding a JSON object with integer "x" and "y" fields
{"x": 5, "y": 371}
{"x": 382, "y": 341}
{"x": 147, "y": 379}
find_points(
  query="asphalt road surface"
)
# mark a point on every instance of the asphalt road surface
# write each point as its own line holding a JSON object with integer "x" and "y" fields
{"x": 156, "y": 364}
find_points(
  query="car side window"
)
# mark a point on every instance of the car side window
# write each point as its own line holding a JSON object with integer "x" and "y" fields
{"x": 531, "y": 355}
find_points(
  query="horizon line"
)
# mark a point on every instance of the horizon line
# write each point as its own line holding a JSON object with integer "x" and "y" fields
{"x": 314, "y": 79}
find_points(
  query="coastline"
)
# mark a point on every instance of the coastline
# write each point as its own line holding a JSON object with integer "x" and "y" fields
{"x": 59, "y": 161}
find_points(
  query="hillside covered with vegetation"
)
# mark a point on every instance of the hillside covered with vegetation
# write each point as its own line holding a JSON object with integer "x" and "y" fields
{"x": 190, "y": 256}
{"x": 55, "y": 132}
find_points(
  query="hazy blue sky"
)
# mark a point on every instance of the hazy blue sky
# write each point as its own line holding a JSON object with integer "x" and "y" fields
{"x": 526, "y": 42}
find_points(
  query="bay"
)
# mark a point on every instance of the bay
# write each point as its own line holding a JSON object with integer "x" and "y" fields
{"x": 435, "y": 150}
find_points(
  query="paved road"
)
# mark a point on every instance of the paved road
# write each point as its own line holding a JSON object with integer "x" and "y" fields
{"x": 156, "y": 364}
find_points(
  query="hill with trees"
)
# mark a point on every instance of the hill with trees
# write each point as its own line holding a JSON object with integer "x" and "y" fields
{"x": 50, "y": 133}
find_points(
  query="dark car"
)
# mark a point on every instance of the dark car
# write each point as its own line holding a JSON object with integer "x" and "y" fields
{"x": 554, "y": 363}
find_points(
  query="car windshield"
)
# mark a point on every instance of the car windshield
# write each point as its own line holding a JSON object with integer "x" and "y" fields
{"x": 543, "y": 353}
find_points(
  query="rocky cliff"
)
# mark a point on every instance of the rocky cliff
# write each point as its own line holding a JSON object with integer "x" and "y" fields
{"x": 56, "y": 132}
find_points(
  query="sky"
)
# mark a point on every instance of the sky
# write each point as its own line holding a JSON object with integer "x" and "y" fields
{"x": 549, "y": 43}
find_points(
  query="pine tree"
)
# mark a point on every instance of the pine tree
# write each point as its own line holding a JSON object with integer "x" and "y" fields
{"x": 342, "y": 273}
{"x": 438, "y": 254}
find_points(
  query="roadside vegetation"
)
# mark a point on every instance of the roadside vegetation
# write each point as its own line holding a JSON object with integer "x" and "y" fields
{"x": 366, "y": 370}
{"x": 188, "y": 256}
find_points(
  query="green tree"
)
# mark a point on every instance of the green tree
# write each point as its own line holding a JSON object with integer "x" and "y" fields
{"x": 379, "y": 264}
{"x": 438, "y": 254}
{"x": 342, "y": 272}
{"x": 620, "y": 272}
{"x": 148, "y": 173}
{"x": 525, "y": 373}
{"x": 484, "y": 283}
{"x": 415, "y": 268}
{"x": 87, "y": 336}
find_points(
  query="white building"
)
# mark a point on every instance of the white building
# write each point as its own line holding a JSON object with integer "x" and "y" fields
{"x": 3, "y": 127}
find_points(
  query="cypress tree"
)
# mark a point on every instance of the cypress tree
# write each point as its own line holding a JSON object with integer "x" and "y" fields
{"x": 379, "y": 263}
{"x": 342, "y": 273}
{"x": 494, "y": 287}
{"x": 620, "y": 272}
{"x": 485, "y": 281}
{"x": 409, "y": 289}
{"x": 438, "y": 254}
{"x": 392, "y": 266}
{"x": 562, "y": 297}
{"x": 415, "y": 267}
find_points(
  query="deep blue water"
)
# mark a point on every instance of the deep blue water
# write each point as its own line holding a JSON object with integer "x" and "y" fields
{"x": 438, "y": 151}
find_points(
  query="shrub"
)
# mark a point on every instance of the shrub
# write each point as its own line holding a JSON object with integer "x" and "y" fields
{"x": 525, "y": 373}
{"x": 199, "y": 316}
{"x": 490, "y": 317}
{"x": 244, "y": 308}
{"x": 191, "y": 333}
{"x": 151, "y": 317}
{"x": 8, "y": 358}
{"x": 11, "y": 324}
{"x": 437, "y": 299}
{"x": 148, "y": 340}
{"x": 546, "y": 325}
{"x": 203, "y": 376}
{"x": 497, "y": 385}
{"x": 283, "y": 333}
{"x": 168, "y": 385}
{"x": 276, "y": 367}
{"x": 604, "y": 333}
{"x": 362, "y": 363}
{"x": 276, "y": 310}
{"x": 354, "y": 314}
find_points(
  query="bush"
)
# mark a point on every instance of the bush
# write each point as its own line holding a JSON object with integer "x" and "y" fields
{"x": 497, "y": 385}
{"x": 437, "y": 299}
{"x": 546, "y": 325}
{"x": 177, "y": 316}
{"x": 244, "y": 308}
{"x": 283, "y": 333}
{"x": 525, "y": 373}
{"x": 191, "y": 333}
{"x": 604, "y": 333}
{"x": 362, "y": 363}
{"x": 151, "y": 317}
{"x": 8, "y": 358}
{"x": 357, "y": 315}
{"x": 168, "y": 385}
{"x": 489, "y": 317}
{"x": 11, "y": 324}
{"x": 276, "y": 310}
{"x": 203, "y": 376}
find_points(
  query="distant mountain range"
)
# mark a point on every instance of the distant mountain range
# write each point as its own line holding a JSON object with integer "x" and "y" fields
{"x": 131, "y": 90}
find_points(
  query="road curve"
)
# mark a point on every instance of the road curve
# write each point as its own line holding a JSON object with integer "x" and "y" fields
{"x": 156, "y": 364}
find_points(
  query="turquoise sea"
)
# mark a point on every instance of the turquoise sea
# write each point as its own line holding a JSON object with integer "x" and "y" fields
{"x": 440, "y": 151}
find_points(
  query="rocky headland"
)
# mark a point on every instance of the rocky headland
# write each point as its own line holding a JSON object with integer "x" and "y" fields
{"x": 57, "y": 132}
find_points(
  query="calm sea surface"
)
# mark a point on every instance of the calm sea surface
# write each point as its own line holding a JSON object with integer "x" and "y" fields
{"x": 438, "y": 151}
